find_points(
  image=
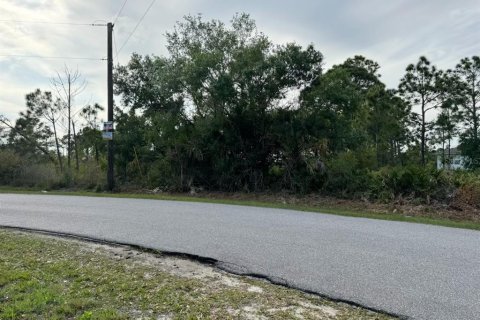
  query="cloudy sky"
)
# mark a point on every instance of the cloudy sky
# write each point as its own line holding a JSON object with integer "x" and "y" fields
{"x": 394, "y": 33}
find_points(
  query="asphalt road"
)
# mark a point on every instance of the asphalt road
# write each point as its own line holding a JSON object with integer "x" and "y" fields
{"x": 413, "y": 270}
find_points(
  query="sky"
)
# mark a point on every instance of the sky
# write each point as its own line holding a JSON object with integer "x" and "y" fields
{"x": 394, "y": 33}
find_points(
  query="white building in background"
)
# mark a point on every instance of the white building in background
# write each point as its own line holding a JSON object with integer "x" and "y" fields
{"x": 456, "y": 161}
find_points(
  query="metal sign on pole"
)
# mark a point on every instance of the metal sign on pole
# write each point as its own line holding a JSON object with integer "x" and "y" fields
{"x": 107, "y": 133}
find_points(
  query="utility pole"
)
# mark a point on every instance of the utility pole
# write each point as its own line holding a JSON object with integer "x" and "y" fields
{"x": 110, "y": 173}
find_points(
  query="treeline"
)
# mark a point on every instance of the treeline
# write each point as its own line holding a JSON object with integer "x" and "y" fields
{"x": 229, "y": 110}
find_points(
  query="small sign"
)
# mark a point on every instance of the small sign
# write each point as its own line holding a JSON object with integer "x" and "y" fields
{"x": 107, "y": 133}
{"x": 108, "y": 126}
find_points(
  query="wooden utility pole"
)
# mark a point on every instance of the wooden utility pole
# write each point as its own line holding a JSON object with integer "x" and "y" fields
{"x": 110, "y": 173}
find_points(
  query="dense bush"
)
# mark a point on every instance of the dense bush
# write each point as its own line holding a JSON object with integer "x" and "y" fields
{"x": 349, "y": 179}
{"x": 346, "y": 177}
{"x": 411, "y": 181}
{"x": 17, "y": 172}
{"x": 468, "y": 189}
{"x": 10, "y": 166}
{"x": 41, "y": 175}
{"x": 89, "y": 176}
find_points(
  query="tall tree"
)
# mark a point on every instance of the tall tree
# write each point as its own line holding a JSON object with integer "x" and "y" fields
{"x": 336, "y": 101}
{"x": 387, "y": 125}
{"x": 447, "y": 123}
{"x": 225, "y": 81}
{"x": 68, "y": 85}
{"x": 354, "y": 111}
{"x": 445, "y": 128}
{"x": 235, "y": 77}
{"x": 420, "y": 87}
{"x": 90, "y": 139}
{"x": 28, "y": 136}
{"x": 468, "y": 71}
{"x": 42, "y": 105}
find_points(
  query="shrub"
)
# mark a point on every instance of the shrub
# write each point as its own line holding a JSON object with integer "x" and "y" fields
{"x": 468, "y": 189}
{"x": 161, "y": 175}
{"x": 411, "y": 181}
{"x": 468, "y": 195}
{"x": 42, "y": 175}
{"x": 346, "y": 177}
{"x": 90, "y": 176}
{"x": 10, "y": 165}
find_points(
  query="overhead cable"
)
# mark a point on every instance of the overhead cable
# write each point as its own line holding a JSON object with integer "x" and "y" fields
{"x": 135, "y": 29}
{"x": 120, "y": 12}
{"x": 54, "y": 23}
{"x": 50, "y": 57}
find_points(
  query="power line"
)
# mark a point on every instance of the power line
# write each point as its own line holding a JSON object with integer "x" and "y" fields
{"x": 49, "y": 57}
{"x": 120, "y": 12}
{"x": 55, "y": 23}
{"x": 135, "y": 29}
{"x": 115, "y": 43}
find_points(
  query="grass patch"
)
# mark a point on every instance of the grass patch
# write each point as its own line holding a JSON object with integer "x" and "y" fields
{"x": 46, "y": 278}
{"x": 326, "y": 209}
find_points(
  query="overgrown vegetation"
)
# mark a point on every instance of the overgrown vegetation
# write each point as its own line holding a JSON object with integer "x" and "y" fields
{"x": 228, "y": 110}
{"x": 43, "y": 278}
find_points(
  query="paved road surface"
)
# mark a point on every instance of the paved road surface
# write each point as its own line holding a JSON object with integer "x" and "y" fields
{"x": 418, "y": 271}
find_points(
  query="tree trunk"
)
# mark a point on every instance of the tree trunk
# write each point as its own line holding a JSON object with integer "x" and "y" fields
{"x": 474, "y": 112}
{"x": 392, "y": 152}
{"x": 77, "y": 162}
{"x": 57, "y": 145}
{"x": 443, "y": 150}
{"x": 423, "y": 133}
{"x": 423, "y": 138}
{"x": 69, "y": 142}
{"x": 96, "y": 153}
{"x": 449, "y": 155}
